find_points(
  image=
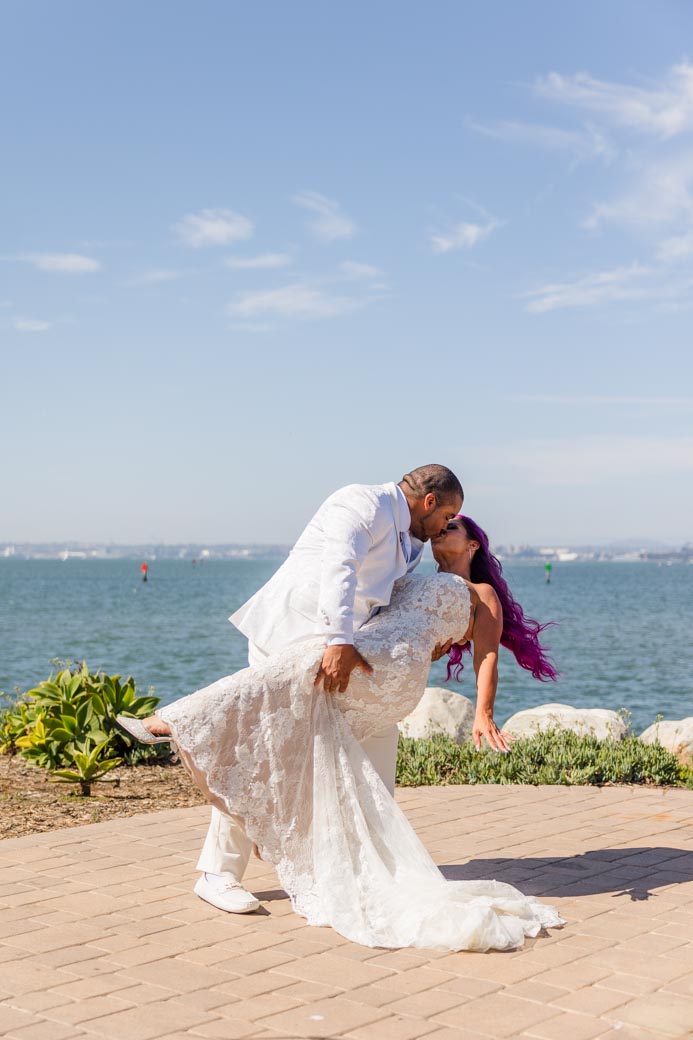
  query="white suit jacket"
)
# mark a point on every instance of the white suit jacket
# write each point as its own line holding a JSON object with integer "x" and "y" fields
{"x": 338, "y": 574}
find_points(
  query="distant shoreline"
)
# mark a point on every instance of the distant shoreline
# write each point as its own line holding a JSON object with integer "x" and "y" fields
{"x": 199, "y": 555}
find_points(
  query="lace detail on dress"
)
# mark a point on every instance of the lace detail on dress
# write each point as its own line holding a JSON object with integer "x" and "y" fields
{"x": 264, "y": 745}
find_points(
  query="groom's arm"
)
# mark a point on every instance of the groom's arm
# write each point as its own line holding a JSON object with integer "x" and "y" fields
{"x": 347, "y": 543}
{"x": 348, "y": 539}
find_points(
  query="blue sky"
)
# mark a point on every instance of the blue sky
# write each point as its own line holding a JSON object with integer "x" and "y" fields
{"x": 252, "y": 252}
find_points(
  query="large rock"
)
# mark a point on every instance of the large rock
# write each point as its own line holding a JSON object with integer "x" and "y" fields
{"x": 440, "y": 711}
{"x": 676, "y": 735}
{"x": 598, "y": 722}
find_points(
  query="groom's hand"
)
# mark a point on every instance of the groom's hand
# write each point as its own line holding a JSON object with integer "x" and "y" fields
{"x": 338, "y": 662}
{"x": 440, "y": 649}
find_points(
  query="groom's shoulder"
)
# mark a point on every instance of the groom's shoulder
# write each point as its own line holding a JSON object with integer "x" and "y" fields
{"x": 375, "y": 495}
{"x": 371, "y": 502}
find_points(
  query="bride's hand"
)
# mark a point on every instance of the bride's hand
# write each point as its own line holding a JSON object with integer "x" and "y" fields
{"x": 497, "y": 739}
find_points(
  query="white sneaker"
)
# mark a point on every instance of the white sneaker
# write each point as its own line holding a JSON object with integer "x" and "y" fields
{"x": 225, "y": 894}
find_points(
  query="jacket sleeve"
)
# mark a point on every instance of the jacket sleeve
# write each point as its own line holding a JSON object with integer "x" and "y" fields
{"x": 348, "y": 538}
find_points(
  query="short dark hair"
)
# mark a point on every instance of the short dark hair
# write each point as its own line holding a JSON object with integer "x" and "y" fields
{"x": 433, "y": 480}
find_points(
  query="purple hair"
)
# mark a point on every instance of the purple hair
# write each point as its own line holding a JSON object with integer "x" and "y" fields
{"x": 520, "y": 633}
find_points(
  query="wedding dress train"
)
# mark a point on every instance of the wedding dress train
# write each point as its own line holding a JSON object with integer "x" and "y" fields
{"x": 266, "y": 746}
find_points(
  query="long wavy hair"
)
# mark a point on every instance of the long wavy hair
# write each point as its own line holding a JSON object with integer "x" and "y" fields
{"x": 520, "y": 633}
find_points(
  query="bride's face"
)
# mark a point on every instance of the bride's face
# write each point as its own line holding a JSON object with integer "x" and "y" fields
{"x": 453, "y": 541}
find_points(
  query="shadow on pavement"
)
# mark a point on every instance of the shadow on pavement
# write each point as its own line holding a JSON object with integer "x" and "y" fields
{"x": 633, "y": 872}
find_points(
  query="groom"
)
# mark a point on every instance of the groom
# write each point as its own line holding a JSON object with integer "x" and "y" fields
{"x": 337, "y": 576}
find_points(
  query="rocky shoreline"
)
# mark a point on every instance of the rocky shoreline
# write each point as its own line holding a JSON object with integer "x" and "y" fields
{"x": 450, "y": 713}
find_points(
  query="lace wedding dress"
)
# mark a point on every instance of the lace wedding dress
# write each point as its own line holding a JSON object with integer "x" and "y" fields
{"x": 266, "y": 746}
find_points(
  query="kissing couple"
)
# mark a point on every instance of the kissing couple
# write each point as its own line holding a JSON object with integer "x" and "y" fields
{"x": 297, "y": 752}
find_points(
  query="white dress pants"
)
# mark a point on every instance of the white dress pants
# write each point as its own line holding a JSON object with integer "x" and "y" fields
{"x": 227, "y": 848}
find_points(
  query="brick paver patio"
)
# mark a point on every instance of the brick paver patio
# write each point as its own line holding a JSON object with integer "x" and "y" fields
{"x": 101, "y": 935}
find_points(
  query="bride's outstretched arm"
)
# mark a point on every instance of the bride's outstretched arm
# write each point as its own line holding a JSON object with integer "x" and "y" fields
{"x": 486, "y": 635}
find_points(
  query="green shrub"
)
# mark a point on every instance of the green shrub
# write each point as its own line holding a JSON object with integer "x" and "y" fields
{"x": 552, "y": 757}
{"x": 67, "y": 725}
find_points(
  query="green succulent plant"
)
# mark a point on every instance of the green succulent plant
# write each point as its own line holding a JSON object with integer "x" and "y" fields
{"x": 67, "y": 724}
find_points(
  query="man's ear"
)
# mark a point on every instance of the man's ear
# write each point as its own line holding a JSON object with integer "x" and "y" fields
{"x": 430, "y": 502}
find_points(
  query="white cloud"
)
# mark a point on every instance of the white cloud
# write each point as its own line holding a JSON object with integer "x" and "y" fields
{"x": 679, "y": 247}
{"x": 589, "y": 143}
{"x": 64, "y": 263}
{"x": 664, "y": 109}
{"x": 462, "y": 236}
{"x": 594, "y": 459}
{"x": 635, "y": 282}
{"x": 660, "y": 193}
{"x": 30, "y": 325}
{"x": 264, "y": 261}
{"x": 213, "y": 227}
{"x": 354, "y": 269}
{"x": 299, "y": 300}
{"x": 331, "y": 223}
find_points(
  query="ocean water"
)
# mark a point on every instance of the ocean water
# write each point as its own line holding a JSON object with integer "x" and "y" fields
{"x": 623, "y": 637}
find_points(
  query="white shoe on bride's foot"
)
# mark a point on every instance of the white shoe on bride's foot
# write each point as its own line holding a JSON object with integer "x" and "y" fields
{"x": 225, "y": 894}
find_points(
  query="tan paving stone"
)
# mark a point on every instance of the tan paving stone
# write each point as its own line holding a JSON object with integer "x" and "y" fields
{"x": 325, "y": 1018}
{"x": 497, "y": 1015}
{"x": 73, "y": 959}
{"x": 501, "y": 968}
{"x": 683, "y": 986}
{"x": 571, "y": 1026}
{"x": 334, "y": 971}
{"x": 202, "y": 999}
{"x": 532, "y": 989}
{"x": 48, "y": 939}
{"x": 44, "y": 1031}
{"x": 395, "y": 1028}
{"x": 158, "y": 1020}
{"x": 25, "y": 977}
{"x": 591, "y": 1000}
{"x": 96, "y": 986}
{"x": 145, "y": 993}
{"x": 666, "y": 1013}
{"x": 261, "y": 960}
{"x": 90, "y": 1007}
{"x": 428, "y": 1003}
{"x": 629, "y": 984}
{"x": 226, "y": 1029}
{"x": 14, "y": 1018}
{"x": 455, "y": 1034}
{"x": 134, "y": 956}
{"x": 415, "y": 980}
{"x": 661, "y": 968}
{"x": 376, "y": 996}
{"x": 579, "y": 973}
{"x": 471, "y": 987}
{"x": 244, "y": 987}
{"x": 621, "y": 1032}
{"x": 259, "y": 1007}
{"x": 38, "y": 1001}
{"x": 176, "y": 975}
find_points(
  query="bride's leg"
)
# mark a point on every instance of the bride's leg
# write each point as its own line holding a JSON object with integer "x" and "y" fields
{"x": 156, "y": 726}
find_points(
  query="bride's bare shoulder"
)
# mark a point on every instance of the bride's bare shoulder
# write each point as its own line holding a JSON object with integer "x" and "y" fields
{"x": 482, "y": 592}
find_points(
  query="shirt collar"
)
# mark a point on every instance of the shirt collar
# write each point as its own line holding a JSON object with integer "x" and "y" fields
{"x": 404, "y": 513}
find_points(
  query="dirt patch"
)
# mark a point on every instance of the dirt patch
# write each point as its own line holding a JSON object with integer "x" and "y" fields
{"x": 30, "y": 803}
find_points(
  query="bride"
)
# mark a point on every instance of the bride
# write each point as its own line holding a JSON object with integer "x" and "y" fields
{"x": 266, "y": 746}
